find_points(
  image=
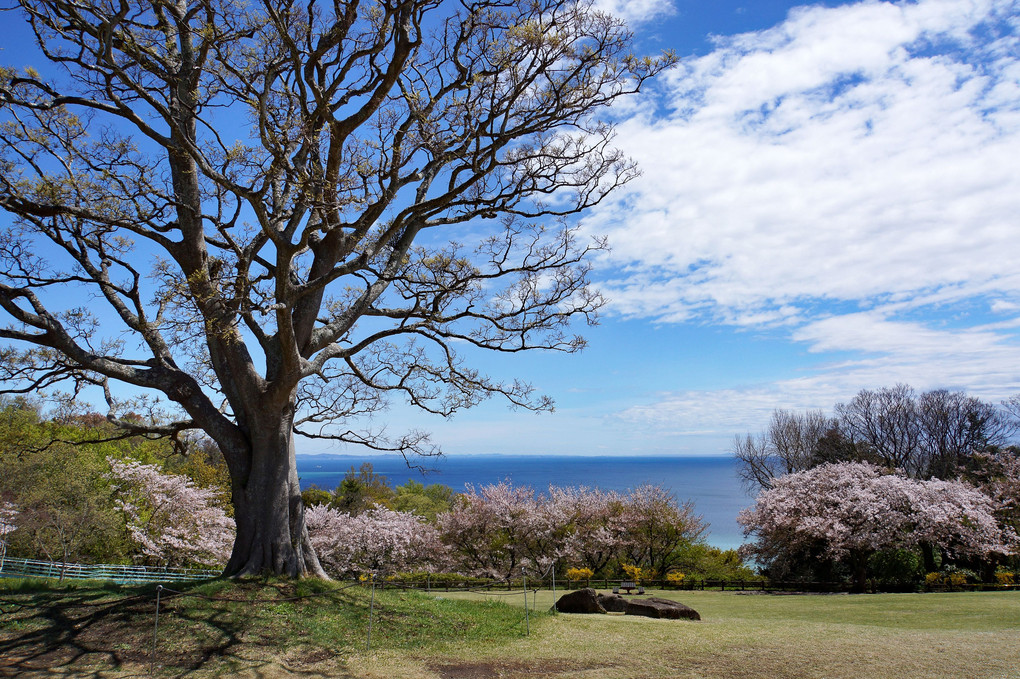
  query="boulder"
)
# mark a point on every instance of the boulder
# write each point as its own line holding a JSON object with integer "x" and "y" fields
{"x": 581, "y": 601}
{"x": 654, "y": 607}
{"x": 614, "y": 603}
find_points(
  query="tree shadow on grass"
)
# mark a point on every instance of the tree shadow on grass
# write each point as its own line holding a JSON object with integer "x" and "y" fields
{"x": 95, "y": 631}
{"x": 67, "y": 628}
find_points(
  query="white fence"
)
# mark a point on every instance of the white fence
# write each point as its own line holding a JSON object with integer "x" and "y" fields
{"x": 27, "y": 568}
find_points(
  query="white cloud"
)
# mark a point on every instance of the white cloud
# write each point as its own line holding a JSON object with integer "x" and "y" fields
{"x": 636, "y": 11}
{"x": 849, "y": 175}
{"x": 722, "y": 413}
{"x": 824, "y": 160}
{"x": 885, "y": 352}
{"x": 1005, "y": 306}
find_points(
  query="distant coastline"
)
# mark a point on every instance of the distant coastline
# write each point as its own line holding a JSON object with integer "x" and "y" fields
{"x": 371, "y": 456}
{"x": 709, "y": 481}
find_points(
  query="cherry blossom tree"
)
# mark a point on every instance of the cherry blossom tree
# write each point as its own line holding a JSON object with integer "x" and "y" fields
{"x": 596, "y": 529}
{"x": 958, "y": 518}
{"x": 8, "y": 514}
{"x": 377, "y": 541}
{"x": 497, "y": 529}
{"x": 848, "y": 511}
{"x": 173, "y": 521}
{"x": 998, "y": 476}
{"x": 656, "y": 526}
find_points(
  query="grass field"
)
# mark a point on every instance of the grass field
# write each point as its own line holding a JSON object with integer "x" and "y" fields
{"x": 891, "y": 635}
{"x": 310, "y": 629}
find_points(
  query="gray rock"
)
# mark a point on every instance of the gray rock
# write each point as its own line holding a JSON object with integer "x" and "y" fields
{"x": 614, "y": 603}
{"x": 581, "y": 601}
{"x": 654, "y": 607}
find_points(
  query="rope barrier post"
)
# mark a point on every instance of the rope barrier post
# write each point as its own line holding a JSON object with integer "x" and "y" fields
{"x": 155, "y": 632}
{"x": 527, "y": 618}
{"x": 554, "y": 587}
{"x": 371, "y": 611}
{"x": 554, "y": 591}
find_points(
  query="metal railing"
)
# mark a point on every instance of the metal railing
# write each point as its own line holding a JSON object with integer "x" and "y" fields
{"x": 28, "y": 568}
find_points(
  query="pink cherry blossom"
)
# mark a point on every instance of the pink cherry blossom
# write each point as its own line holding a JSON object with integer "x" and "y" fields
{"x": 998, "y": 476}
{"x": 173, "y": 521}
{"x": 596, "y": 528}
{"x": 496, "y": 530}
{"x": 656, "y": 525}
{"x": 378, "y": 540}
{"x": 8, "y": 513}
{"x": 851, "y": 510}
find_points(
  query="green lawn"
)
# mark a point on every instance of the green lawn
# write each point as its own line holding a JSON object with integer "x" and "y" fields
{"x": 889, "y": 635}
{"x": 222, "y": 628}
{"x": 264, "y": 631}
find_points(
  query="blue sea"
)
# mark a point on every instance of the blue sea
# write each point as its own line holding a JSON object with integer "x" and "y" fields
{"x": 710, "y": 482}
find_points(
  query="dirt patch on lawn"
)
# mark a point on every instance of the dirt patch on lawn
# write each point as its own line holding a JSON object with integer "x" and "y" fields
{"x": 79, "y": 630}
{"x": 498, "y": 669}
{"x": 97, "y": 633}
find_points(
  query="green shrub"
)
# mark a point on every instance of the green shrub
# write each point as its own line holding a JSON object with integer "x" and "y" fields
{"x": 897, "y": 569}
{"x": 952, "y": 576}
{"x": 423, "y": 578}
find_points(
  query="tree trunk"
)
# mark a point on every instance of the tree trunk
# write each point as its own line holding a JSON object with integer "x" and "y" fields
{"x": 928, "y": 554}
{"x": 859, "y": 563}
{"x": 271, "y": 533}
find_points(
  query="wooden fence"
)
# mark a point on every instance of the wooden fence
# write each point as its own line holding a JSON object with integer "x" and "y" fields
{"x": 447, "y": 584}
{"x": 28, "y": 568}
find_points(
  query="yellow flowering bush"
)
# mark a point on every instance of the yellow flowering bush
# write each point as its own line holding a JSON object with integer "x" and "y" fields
{"x": 579, "y": 573}
{"x": 956, "y": 579}
{"x": 952, "y": 578}
{"x": 1004, "y": 578}
{"x": 675, "y": 578}
{"x": 633, "y": 572}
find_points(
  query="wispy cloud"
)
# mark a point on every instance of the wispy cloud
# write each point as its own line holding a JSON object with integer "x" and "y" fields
{"x": 636, "y": 12}
{"x": 979, "y": 360}
{"x": 850, "y": 175}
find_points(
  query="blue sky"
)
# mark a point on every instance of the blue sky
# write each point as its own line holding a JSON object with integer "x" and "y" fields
{"x": 830, "y": 201}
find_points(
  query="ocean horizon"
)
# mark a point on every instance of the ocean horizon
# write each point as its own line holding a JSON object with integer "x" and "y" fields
{"x": 709, "y": 481}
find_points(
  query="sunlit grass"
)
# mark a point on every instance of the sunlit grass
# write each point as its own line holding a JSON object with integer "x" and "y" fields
{"x": 755, "y": 635}
{"x": 221, "y": 627}
{"x": 311, "y": 628}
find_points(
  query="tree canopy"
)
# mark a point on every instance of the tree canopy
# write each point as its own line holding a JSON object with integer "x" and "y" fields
{"x": 850, "y": 510}
{"x": 933, "y": 434}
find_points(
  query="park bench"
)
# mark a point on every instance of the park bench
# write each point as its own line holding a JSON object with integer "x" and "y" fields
{"x": 630, "y": 587}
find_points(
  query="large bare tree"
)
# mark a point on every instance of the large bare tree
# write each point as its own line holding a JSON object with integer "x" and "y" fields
{"x": 276, "y": 214}
{"x": 924, "y": 436}
{"x": 789, "y": 444}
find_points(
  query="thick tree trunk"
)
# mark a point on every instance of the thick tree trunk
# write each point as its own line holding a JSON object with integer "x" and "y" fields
{"x": 928, "y": 554}
{"x": 271, "y": 533}
{"x": 859, "y": 564}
